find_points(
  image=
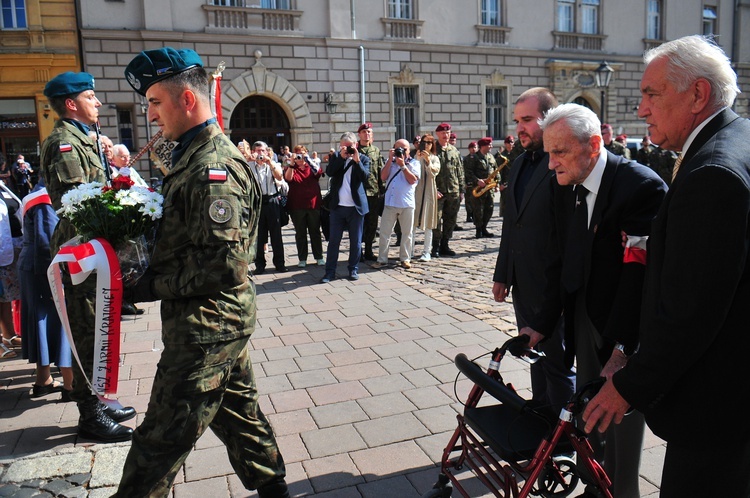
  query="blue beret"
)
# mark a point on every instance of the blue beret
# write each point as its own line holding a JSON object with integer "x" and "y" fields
{"x": 152, "y": 66}
{"x": 68, "y": 84}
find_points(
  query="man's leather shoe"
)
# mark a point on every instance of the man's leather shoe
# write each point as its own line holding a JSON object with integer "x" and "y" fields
{"x": 370, "y": 256}
{"x": 97, "y": 425}
{"x": 130, "y": 309}
{"x": 485, "y": 233}
{"x": 282, "y": 269}
{"x": 259, "y": 270}
{"x": 119, "y": 414}
{"x": 447, "y": 251}
{"x": 435, "y": 253}
{"x": 457, "y": 227}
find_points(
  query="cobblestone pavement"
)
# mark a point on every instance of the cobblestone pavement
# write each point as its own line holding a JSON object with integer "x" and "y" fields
{"x": 357, "y": 379}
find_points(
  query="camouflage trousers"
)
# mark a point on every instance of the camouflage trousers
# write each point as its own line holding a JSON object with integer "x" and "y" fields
{"x": 482, "y": 208}
{"x": 198, "y": 386}
{"x": 448, "y": 207}
{"x": 371, "y": 221}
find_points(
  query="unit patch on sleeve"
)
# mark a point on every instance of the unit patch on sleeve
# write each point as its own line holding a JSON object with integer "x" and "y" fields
{"x": 220, "y": 210}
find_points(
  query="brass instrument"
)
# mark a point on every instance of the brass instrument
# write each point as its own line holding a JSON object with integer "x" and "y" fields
{"x": 489, "y": 184}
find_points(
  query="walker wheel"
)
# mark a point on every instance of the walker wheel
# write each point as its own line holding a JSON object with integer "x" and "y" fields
{"x": 559, "y": 478}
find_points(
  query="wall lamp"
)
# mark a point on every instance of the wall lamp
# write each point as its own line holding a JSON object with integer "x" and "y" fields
{"x": 330, "y": 104}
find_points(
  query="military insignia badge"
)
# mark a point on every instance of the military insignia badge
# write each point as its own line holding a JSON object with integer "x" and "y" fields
{"x": 66, "y": 147}
{"x": 220, "y": 211}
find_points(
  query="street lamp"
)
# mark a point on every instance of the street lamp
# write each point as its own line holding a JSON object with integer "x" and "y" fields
{"x": 603, "y": 76}
{"x": 331, "y": 105}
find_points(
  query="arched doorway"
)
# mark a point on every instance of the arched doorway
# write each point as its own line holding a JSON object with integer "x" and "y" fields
{"x": 583, "y": 101}
{"x": 260, "y": 118}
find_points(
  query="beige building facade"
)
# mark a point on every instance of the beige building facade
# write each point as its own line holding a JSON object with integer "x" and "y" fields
{"x": 305, "y": 71}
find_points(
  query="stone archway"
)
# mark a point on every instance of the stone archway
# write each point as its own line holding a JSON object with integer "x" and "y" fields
{"x": 260, "y": 81}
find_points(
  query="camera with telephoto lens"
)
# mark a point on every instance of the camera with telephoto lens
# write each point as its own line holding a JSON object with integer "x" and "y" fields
{"x": 350, "y": 150}
{"x": 399, "y": 152}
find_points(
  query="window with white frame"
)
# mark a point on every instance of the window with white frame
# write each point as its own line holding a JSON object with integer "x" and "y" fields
{"x": 491, "y": 14}
{"x": 401, "y": 9}
{"x": 709, "y": 20}
{"x": 276, "y": 4}
{"x": 590, "y": 17}
{"x": 406, "y": 111}
{"x": 566, "y": 16}
{"x": 13, "y": 14}
{"x": 653, "y": 20}
{"x": 496, "y": 102}
{"x": 587, "y": 22}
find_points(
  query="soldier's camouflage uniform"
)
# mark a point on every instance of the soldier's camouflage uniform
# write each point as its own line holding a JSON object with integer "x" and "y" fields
{"x": 450, "y": 182}
{"x": 618, "y": 149}
{"x": 479, "y": 166}
{"x": 205, "y": 243}
{"x": 373, "y": 188}
{"x": 662, "y": 161}
{"x": 68, "y": 159}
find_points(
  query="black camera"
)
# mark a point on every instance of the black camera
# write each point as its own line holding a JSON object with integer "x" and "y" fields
{"x": 350, "y": 150}
{"x": 399, "y": 152}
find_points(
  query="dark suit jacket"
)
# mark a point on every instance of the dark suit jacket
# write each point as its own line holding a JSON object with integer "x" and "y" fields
{"x": 628, "y": 199}
{"x": 690, "y": 377}
{"x": 529, "y": 256}
{"x": 336, "y": 170}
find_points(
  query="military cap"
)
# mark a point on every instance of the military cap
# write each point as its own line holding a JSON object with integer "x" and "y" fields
{"x": 364, "y": 126}
{"x": 443, "y": 127}
{"x": 509, "y": 139}
{"x": 68, "y": 83}
{"x": 453, "y": 135}
{"x": 152, "y": 66}
{"x": 483, "y": 142}
{"x": 473, "y": 144}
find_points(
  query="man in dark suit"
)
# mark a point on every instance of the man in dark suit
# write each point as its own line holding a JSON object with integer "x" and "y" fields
{"x": 689, "y": 376}
{"x": 348, "y": 170}
{"x": 528, "y": 262}
{"x": 603, "y": 196}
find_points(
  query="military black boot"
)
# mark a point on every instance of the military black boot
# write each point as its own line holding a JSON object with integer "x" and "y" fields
{"x": 95, "y": 424}
{"x": 445, "y": 250}
{"x": 119, "y": 414}
{"x": 485, "y": 233}
{"x": 274, "y": 489}
{"x": 479, "y": 233}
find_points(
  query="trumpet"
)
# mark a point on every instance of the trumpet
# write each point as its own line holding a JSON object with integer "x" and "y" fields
{"x": 489, "y": 184}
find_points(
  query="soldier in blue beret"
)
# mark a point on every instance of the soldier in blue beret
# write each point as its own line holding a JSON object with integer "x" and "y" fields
{"x": 69, "y": 158}
{"x": 199, "y": 271}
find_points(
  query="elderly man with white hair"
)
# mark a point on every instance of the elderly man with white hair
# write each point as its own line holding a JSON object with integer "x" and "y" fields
{"x": 121, "y": 158}
{"x": 602, "y": 195}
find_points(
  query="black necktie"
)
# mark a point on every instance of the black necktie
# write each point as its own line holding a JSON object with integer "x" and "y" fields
{"x": 575, "y": 246}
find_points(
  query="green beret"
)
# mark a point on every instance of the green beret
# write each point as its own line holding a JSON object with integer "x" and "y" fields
{"x": 151, "y": 66}
{"x": 68, "y": 84}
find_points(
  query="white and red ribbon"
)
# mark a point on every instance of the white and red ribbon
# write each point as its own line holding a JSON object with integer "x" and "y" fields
{"x": 216, "y": 95}
{"x": 34, "y": 199}
{"x": 635, "y": 249}
{"x": 96, "y": 256}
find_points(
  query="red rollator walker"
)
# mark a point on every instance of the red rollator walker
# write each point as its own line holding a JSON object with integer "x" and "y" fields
{"x": 516, "y": 449}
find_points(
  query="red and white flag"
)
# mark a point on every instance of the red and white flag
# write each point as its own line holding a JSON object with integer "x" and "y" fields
{"x": 216, "y": 94}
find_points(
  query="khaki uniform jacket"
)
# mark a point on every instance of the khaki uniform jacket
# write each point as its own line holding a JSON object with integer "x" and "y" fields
{"x": 68, "y": 159}
{"x": 205, "y": 243}
{"x": 450, "y": 180}
{"x": 478, "y": 166}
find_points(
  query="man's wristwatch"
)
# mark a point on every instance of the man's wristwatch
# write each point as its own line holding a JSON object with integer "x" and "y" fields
{"x": 621, "y": 348}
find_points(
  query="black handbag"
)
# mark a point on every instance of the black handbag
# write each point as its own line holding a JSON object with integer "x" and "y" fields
{"x": 281, "y": 200}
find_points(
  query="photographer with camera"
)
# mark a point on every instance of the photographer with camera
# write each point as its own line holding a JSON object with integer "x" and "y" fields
{"x": 348, "y": 170}
{"x": 304, "y": 204}
{"x": 22, "y": 174}
{"x": 400, "y": 174}
{"x": 272, "y": 186}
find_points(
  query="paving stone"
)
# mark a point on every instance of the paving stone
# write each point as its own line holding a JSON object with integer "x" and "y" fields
{"x": 334, "y": 473}
{"x": 391, "y": 429}
{"x": 346, "y": 412}
{"x": 332, "y": 441}
{"x": 386, "y": 404}
{"x": 335, "y": 393}
{"x": 394, "y": 486}
{"x": 387, "y": 384}
{"x": 390, "y": 459}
